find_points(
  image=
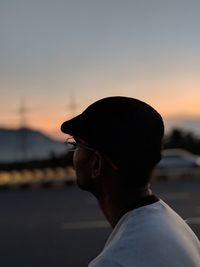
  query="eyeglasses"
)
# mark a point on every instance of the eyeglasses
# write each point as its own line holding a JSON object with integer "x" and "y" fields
{"x": 73, "y": 145}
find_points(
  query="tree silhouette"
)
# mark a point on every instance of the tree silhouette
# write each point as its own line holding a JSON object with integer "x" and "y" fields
{"x": 179, "y": 138}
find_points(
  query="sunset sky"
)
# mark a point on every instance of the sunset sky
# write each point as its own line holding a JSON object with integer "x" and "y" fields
{"x": 52, "y": 52}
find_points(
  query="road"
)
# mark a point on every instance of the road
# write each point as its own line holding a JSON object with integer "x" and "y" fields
{"x": 64, "y": 227}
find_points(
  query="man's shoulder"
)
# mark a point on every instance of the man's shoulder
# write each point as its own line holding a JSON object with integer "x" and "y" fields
{"x": 104, "y": 262}
{"x": 150, "y": 231}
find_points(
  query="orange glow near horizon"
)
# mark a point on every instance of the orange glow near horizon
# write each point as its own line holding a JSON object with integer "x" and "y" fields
{"x": 182, "y": 106}
{"x": 171, "y": 101}
{"x": 51, "y": 126}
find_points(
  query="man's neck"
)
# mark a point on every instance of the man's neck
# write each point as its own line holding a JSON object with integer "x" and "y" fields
{"x": 115, "y": 204}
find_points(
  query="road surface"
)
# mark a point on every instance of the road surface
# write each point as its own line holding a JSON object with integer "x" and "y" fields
{"x": 64, "y": 227}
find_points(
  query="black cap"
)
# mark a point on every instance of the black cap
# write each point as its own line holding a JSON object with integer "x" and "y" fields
{"x": 125, "y": 129}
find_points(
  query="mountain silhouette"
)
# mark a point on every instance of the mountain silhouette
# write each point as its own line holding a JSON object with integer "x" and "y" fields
{"x": 26, "y": 144}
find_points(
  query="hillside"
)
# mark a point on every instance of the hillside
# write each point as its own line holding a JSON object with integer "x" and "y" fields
{"x": 26, "y": 144}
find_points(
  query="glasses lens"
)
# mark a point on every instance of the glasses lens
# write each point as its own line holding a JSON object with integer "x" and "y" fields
{"x": 71, "y": 144}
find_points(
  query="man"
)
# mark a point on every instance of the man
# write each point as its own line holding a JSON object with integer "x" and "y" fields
{"x": 118, "y": 143}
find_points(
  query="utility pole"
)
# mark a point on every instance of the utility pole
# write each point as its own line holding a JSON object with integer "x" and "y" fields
{"x": 23, "y": 131}
{"x": 72, "y": 104}
{"x": 22, "y": 114}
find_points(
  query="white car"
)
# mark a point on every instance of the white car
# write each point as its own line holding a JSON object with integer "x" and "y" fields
{"x": 178, "y": 158}
{"x": 178, "y": 163}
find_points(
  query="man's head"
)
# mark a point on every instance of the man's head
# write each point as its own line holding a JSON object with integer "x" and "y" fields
{"x": 127, "y": 133}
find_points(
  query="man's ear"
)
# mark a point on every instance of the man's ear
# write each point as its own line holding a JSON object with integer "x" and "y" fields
{"x": 96, "y": 165}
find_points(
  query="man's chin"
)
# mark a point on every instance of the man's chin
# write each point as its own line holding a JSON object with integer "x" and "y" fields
{"x": 87, "y": 187}
{"x": 82, "y": 186}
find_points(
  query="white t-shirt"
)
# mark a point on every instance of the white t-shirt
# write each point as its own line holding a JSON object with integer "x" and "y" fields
{"x": 150, "y": 236}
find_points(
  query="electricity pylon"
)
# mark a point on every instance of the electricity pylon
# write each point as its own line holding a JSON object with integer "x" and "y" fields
{"x": 72, "y": 105}
{"x": 23, "y": 131}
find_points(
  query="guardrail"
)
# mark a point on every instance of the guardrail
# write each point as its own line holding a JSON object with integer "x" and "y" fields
{"x": 61, "y": 176}
{"x": 35, "y": 178}
{"x": 176, "y": 173}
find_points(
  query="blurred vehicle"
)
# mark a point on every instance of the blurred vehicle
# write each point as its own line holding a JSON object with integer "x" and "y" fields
{"x": 178, "y": 163}
{"x": 178, "y": 158}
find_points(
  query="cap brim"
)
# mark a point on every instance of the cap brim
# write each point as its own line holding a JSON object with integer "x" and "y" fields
{"x": 72, "y": 126}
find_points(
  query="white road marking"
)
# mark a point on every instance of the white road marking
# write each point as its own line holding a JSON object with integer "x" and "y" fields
{"x": 193, "y": 220}
{"x": 84, "y": 225}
